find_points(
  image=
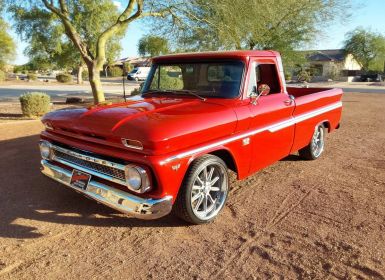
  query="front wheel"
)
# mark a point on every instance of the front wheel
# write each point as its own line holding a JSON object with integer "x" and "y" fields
{"x": 204, "y": 190}
{"x": 316, "y": 146}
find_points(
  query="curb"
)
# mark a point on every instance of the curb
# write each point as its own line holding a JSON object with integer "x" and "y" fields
{"x": 18, "y": 122}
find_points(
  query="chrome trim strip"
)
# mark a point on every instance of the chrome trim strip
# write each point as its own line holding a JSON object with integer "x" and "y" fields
{"x": 122, "y": 201}
{"x": 89, "y": 158}
{"x": 271, "y": 128}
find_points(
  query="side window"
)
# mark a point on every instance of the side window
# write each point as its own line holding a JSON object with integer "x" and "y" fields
{"x": 267, "y": 74}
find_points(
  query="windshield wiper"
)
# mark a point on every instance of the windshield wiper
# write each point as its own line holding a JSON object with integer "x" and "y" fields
{"x": 192, "y": 92}
{"x": 158, "y": 91}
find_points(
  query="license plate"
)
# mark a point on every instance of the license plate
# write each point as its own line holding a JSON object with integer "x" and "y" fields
{"x": 80, "y": 179}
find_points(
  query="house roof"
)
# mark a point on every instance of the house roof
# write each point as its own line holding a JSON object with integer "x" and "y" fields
{"x": 133, "y": 60}
{"x": 327, "y": 55}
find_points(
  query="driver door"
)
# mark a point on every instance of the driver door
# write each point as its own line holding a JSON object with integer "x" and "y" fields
{"x": 270, "y": 142}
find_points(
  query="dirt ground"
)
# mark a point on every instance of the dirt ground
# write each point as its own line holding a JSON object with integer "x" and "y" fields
{"x": 297, "y": 219}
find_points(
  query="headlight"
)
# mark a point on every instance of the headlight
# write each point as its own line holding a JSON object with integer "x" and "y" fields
{"x": 137, "y": 178}
{"x": 45, "y": 149}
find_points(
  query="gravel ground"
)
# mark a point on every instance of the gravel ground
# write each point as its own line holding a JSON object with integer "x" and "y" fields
{"x": 297, "y": 219}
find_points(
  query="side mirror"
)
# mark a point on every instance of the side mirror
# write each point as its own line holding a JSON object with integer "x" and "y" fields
{"x": 263, "y": 89}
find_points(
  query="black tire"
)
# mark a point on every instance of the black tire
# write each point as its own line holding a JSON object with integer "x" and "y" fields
{"x": 183, "y": 206}
{"x": 316, "y": 146}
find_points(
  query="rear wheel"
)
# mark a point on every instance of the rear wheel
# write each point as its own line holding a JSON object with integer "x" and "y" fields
{"x": 204, "y": 190}
{"x": 316, "y": 146}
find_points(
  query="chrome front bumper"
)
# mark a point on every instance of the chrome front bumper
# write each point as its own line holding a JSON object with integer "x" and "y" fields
{"x": 124, "y": 202}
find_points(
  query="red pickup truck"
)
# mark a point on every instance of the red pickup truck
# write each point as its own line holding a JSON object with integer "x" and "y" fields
{"x": 198, "y": 116}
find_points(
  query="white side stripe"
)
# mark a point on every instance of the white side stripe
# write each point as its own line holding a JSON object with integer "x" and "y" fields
{"x": 271, "y": 128}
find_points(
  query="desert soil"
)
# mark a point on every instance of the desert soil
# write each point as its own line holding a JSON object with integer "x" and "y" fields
{"x": 322, "y": 219}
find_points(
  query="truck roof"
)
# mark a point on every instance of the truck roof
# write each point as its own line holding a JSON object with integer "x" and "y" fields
{"x": 244, "y": 54}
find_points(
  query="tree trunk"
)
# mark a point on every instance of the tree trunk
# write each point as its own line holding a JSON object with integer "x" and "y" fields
{"x": 105, "y": 71}
{"x": 96, "y": 85}
{"x": 80, "y": 75}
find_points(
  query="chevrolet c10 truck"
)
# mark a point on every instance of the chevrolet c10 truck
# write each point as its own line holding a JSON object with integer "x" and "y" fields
{"x": 199, "y": 115}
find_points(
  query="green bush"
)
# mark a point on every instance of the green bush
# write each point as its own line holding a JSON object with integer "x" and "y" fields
{"x": 2, "y": 76}
{"x": 304, "y": 76}
{"x": 35, "y": 104}
{"x": 128, "y": 67}
{"x": 287, "y": 76}
{"x": 115, "y": 71}
{"x": 64, "y": 78}
{"x": 32, "y": 77}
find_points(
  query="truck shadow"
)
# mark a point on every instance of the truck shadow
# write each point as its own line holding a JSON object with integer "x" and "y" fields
{"x": 292, "y": 158}
{"x": 27, "y": 196}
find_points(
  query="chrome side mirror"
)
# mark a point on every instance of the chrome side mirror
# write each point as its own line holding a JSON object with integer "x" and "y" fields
{"x": 263, "y": 90}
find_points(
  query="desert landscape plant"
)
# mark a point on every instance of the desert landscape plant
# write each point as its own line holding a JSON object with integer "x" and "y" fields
{"x": 64, "y": 78}
{"x": 35, "y": 104}
{"x": 31, "y": 77}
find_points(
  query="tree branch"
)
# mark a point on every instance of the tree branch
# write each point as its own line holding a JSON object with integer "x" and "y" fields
{"x": 69, "y": 28}
{"x": 63, "y": 7}
{"x": 123, "y": 20}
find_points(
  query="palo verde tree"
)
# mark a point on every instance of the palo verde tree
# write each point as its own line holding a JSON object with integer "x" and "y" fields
{"x": 48, "y": 44}
{"x": 283, "y": 25}
{"x": 7, "y": 45}
{"x": 93, "y": 52}
{"x": 367, "y": 47}
{"x": 152, "y": 46}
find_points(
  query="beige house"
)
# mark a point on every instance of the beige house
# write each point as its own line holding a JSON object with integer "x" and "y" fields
{"x": 332, "y": 64}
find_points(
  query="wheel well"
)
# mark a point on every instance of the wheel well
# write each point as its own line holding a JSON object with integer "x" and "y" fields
{"x": 226, "y": 157}
{"x": 326, "y": 125}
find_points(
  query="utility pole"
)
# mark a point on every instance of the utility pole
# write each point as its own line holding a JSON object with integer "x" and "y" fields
{"x": 124, "y": 81}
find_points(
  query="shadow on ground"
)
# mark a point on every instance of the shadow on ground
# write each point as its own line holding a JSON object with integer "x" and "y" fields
{"x": 25, "y": 193}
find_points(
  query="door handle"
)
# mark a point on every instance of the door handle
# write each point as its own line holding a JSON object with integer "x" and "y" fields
{"x": 289, "y": 101}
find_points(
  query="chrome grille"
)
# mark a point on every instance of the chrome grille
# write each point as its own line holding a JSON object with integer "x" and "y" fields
{"x": 95, "y": 166}
{"x": 106, "y": 170}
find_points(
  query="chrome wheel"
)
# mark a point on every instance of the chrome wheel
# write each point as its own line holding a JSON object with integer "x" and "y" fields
{"x": 317, "y": 142}
{"x": 209, "y": 190}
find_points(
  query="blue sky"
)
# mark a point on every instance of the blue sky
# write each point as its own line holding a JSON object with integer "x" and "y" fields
{"x": 368, "y": 14}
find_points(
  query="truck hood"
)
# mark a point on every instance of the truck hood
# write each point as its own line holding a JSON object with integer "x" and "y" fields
{"x": 162, "y": 125}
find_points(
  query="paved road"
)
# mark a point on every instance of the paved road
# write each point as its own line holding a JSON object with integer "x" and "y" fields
{"x": 366, "y": 90}
{"x": 347, "y": 87}
{"x": 60, "y": 92}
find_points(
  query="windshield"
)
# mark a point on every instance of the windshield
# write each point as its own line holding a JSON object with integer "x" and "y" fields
{"x": 134, "y": 71}
{"x": 207, "y": 79}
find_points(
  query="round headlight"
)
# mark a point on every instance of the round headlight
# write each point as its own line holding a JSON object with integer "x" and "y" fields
{"x": 45, "y": 149}
{"x": 133, "y": 177}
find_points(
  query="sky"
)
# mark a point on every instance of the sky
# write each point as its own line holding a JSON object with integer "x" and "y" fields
{"x": 368, "y": 14}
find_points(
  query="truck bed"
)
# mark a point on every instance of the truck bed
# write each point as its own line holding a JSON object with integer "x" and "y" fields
{"x": 299, "y": 91}
{"x": 310, "y": 100}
